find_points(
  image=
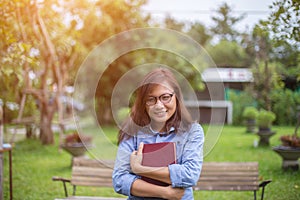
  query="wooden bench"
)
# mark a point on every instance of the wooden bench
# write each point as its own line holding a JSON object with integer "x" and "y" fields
{"x": 222, "y": 176}
{"x": 231, "y": 176}
{"x": 88, "y": 172}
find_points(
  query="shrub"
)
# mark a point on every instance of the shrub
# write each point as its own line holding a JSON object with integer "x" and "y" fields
{"x": 250, "y": 112}
{"x": 240, "y": 100}
{"x": 284, "y": 105}
{"x": 265, "y": 118}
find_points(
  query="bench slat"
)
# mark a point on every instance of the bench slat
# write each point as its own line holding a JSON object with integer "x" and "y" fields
{"x": 92, "y": 182}
{"x": 223, "y": 169}
{"x": 211, "y": 166}
{"x": 255, "y": 183}
{"x": 228, "y": 178}
{"x": 249, "y": 172}
{"x": 227, "y": 188}
{"x": 230, "y": 164}
{"x": 218, "y": 173}
{"x": 90, "y": 198}
{"x": 86, "y": 171}
{"x": 90, "y": 178}
{"x": 93, "y": 163}
{"x": 89, "y": 172}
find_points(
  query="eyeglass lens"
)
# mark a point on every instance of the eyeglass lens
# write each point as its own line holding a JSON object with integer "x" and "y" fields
{"x": 164, "y": 98}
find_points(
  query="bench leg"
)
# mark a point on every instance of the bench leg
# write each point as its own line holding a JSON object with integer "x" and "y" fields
{"x": 263, "y": 185}
{"x": 65, "y": 188}
{"x": 74, "y": 190}
{"x": 262, "y": 193}
{"x": 254, "y": 194}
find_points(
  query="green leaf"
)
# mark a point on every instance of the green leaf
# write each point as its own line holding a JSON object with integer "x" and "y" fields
{"x": 7, "y": 71}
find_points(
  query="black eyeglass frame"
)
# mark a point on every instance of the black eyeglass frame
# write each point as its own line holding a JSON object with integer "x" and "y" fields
{"x": 160, "y": 99}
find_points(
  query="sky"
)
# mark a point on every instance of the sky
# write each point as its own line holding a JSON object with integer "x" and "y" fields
{"x": 203, "y": 10}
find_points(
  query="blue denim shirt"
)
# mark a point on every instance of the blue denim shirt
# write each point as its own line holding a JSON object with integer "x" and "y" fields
{"x": 184, "y": 174}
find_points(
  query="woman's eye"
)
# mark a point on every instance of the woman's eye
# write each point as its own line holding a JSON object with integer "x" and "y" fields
{"x": 165, "y": 97}
{"x": 151, "y": 100}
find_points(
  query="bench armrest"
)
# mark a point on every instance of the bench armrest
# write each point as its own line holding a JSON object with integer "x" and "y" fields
{"x": 64, "y": 181}
{"x": 264, "y": 183}
{"x": 56, "y": 178}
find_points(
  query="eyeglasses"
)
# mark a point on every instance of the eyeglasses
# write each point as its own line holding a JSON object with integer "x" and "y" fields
{"x": 164, "y": 98}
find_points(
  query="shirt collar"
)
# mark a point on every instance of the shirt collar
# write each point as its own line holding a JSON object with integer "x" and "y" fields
{"x": 150, "y": 130}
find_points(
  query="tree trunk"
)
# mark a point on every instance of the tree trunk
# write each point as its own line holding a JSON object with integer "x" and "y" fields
{"x": 47, "y": 111}
{"x": 298, "y": 121}
{"x": 267, "y": 84}
{"x": 46, "y": 133}
{"x": 1, "y": 154}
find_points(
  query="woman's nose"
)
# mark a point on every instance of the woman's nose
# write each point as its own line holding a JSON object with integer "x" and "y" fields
{"x": 159, "y": 104}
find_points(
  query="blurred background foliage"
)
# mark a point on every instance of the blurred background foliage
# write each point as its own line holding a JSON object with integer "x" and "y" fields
{"x": 43, "y": 44}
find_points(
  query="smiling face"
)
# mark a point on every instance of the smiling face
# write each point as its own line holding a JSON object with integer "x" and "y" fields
{"x": 158, "y": 103}
{"x": 160, "y": 112}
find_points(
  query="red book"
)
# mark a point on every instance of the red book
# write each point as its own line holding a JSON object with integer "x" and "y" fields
{"x": 158, "y": 155}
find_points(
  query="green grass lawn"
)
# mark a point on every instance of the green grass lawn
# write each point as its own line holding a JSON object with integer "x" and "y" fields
{"x": 34, "y": 165}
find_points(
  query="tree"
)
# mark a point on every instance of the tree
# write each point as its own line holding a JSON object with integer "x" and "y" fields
{"x": 14, "y": 54}
{"x": 284, "y": 20}
{"x": 199, "y": 33}
{"x": 116, "y": 16}
{"x": 49, "y": 39}
{"x": 264, "y": 73}
{"x": 283, "y": 25}
{"x": 224, "y": 23}
{"x": 57, "y": 51}
{"x": 171, "y": 23}
{"x": 227, "y": 51}
{"x": 228, "y": 54}
{"x": 44, "y": 47}
{"x": 272, "y": 45}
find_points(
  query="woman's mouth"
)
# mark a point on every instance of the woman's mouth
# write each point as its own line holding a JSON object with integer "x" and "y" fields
{"x": 161, "y": 113}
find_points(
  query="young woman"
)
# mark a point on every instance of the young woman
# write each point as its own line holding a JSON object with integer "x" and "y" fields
{"x": 159, "y": 115}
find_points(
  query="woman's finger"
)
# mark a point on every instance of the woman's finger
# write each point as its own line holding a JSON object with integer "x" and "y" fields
{"x": 140, "y": 149}
{"x": 134, "y": 153}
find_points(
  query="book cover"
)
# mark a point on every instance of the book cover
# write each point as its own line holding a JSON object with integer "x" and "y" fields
{"x": 158, "y": 155}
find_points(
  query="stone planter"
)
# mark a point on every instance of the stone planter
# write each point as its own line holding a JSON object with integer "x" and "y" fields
{"x": 264, "y": 136}
{"x": 250, "y": 125}
{"x": 75, "y": 149}
{"x": 289, "y": 155}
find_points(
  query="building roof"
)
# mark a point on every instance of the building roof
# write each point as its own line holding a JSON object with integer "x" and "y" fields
{"x": 227, "y": 75}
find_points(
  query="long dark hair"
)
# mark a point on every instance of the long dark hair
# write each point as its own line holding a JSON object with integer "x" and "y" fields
{"x": 139, "y": 117}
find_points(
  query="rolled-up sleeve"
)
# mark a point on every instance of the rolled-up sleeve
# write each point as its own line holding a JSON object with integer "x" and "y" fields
{"x": 186, "y": 173}
{"x": 122, "y": 176}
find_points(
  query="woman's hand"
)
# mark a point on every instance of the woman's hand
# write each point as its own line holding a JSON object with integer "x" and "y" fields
{"x": 136, "y": 159}
{"x": 173, "y": 193}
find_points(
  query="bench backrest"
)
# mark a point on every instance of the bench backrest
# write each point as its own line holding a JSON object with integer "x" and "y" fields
{"x": 229, "y": 176}
{"x": 214, "y": 176}
{"x": 90, "y": 172}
